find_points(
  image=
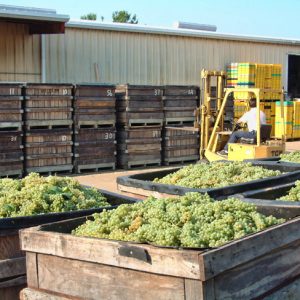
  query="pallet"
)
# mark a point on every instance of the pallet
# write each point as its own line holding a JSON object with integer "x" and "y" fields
{"x": 51, "y": 170}
{"x": 94, "y": 168}
{"x": 11, "y": 126}
{"x": 48, "y": 124}
{"x": 95, "y": 124}
{"x": 180, "y": 121}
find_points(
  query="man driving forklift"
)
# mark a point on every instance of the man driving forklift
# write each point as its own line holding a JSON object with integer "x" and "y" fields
{"x": 249, "y": 118}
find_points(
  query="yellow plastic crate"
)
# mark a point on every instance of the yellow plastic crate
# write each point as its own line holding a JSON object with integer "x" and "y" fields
{"x": 284, "y": 126}
{"x": 296, "y": 119}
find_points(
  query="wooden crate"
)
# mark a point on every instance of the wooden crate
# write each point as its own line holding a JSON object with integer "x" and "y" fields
{"x": 95, "y": 149}
{"x": 48, "y": 150}
{"x": 140, "y": 146}
{"x": 11, "y": 153}
{"x": 180, "y": 144}
{"x": 94, "y": 105}
{"x": 139, "y": 105}
{"x": 48, "y": 105}
{"x": 258, "y": 266}
{"x": 179, "y": 103}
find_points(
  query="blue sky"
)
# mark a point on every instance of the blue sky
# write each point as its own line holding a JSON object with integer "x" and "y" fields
{"x": 252, "y": 17}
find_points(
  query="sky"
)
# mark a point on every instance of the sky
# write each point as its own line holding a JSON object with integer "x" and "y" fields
{"x": 273, "y": 18}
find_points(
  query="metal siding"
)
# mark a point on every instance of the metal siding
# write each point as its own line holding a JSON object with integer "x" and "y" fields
{"x": 140, "y": 58}
{"x": 20, "y": 58}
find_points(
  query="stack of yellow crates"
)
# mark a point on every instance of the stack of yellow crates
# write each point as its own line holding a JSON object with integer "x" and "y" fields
{"x": 284, "y": 126}
{"x": 296, "y": 119}
{"x": 232, "y": 75}
{"x": 251, "y": 75}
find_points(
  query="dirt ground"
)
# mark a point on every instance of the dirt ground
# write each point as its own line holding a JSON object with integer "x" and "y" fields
{"x": 107, "y": 179}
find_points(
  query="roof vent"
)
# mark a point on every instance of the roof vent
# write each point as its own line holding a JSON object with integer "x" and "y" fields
{"x": 195, "y": 26}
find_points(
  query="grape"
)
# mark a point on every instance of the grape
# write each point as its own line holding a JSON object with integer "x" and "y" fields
{"x": 293, "y": 194}
{"x": 192, "y": 220}
{"x": 216, "y": 174}
{"x": 291, "y": 157}
{"x": 35, "y": 194}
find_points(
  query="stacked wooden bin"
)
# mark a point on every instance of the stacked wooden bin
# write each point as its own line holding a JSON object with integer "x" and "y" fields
{"x": 139, "y": 125}
{"x": 48, "y": 120}
{"x": 94, "y": 120}
{"x": 180, "y": 138}
{"x": 11, "y": 115}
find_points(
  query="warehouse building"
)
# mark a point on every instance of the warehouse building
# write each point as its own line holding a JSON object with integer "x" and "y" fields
{"x": 39, "y": 45}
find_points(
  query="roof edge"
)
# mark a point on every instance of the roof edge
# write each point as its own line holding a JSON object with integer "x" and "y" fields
{"x": 177, "y": 32}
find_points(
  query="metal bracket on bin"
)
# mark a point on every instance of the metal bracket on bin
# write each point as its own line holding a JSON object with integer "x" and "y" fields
{"x": 135, "y": 252}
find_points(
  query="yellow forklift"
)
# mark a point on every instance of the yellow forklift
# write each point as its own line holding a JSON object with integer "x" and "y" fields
{"x": 214, "y": 135}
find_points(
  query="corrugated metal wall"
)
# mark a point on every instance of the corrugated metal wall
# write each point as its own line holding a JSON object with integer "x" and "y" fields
{"x": 19, "y": 53}
{"x": 86, "y": 55}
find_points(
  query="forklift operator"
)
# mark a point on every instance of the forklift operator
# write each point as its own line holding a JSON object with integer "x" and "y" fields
{"x": 250, "y": 118}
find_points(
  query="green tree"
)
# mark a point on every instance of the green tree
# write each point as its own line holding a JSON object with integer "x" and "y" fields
{"x": 90, "y": 16}
{"x": 123, "y": 16}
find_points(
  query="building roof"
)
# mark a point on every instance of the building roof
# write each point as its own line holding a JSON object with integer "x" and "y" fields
{"x": 137, "y": 28}
{"x": 39, "y": 20}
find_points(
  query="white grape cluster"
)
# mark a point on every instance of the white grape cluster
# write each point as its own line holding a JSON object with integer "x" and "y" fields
{"x": 216, "y": 174}
{"x": 193, "y": 220}
{"x": 291, "y": 157}
{"x": 35, "y": 194}
{"x": 293, "y": 194}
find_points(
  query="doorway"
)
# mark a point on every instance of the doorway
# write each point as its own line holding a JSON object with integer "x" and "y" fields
{"x": 294, "y": 76}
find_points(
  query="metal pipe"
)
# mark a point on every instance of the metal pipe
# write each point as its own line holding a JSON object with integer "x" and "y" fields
{"x": 43, "y": 58}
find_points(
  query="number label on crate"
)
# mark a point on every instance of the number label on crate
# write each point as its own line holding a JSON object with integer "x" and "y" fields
{"x": 108, "y": 135}
{"x": 13, "y": 138}
{"x": 109, "y": 93}
{"x": 157, "y": 92}
{"x": 64, "y": 138}
{"x": 190, "y": 92}
{"x": 11, "y": 91}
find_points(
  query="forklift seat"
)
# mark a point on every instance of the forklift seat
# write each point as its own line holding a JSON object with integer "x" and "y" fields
{"x": 265, "y": 134}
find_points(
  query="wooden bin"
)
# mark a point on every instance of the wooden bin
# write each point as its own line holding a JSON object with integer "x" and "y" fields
{"x": 11, "y": 153}
{"x": 180, "y": 144}
{"x": 94, "y": 106}
{"x": 179, "y": 104}
{"x": 264, "y": 265}
{"x": 49, "y": 150}
{"x": 48, "y": 106}
{"x": 139, "y": 105}
{"x": 95, "y": 149}
{"x": 139, "y": 146}
{"x": 11, "y": 111}
{"x": 12, "y": 259}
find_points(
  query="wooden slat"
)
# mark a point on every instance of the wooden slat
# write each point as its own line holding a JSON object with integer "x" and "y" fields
{"x": 9, "y": 244}
{"x": 171, "y": 262}
{"x": 12, "y": 267}
{"x": 193, "y": 289}
{"x": 260, "y": 275}
{"x": 32, "y": 294}
{"x": 243, "y": 250}
{"x": 95, "y": 281}
{"x": 32, "y": 271}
